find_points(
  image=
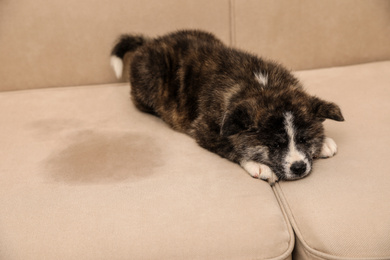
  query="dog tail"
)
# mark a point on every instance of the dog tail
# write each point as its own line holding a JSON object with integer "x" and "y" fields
{"x": 126, "y": 43}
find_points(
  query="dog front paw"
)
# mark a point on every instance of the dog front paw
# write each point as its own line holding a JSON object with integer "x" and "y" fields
{"x": 329, "y": 148}
{"x": 259, "y": 171}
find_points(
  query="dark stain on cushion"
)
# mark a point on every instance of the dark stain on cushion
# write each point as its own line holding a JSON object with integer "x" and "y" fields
{"x": 105, "y": 157}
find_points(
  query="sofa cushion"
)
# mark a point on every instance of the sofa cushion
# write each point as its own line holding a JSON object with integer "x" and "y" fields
{"x": 302, "y": 35}
{"x": 342, "y": 210}
{"x": 84, "y": 175}
{"x": 68, "y": 43}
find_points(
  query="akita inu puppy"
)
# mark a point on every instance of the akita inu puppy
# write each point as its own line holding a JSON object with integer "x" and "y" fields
{"x": 249, "y": 110}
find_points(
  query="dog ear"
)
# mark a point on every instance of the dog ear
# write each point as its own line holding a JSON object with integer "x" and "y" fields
{"x": 236, "y": 121}
{"x": 323, "y": 110}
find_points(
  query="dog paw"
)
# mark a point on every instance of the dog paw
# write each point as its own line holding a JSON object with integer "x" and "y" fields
{"x": 259, "y": 171}
{"x": 329, "y": 148}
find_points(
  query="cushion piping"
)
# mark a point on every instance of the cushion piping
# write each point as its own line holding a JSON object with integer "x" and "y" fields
{"x": 284, "y": 204}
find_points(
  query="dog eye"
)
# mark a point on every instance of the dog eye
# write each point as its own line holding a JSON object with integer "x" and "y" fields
{"x": 301, "y": 140}
{"x": 275, "y": 145}
{"x": 278, "y": 144}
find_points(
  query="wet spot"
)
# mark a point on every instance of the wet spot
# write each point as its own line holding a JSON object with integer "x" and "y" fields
{"x": 101, "y": 157}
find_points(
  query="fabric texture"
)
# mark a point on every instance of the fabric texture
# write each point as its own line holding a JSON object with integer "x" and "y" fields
{"x": 47, "y": 43}
{"x": 84, "y": 175}
{"x": 55, "y": 43}
{"x": 314, "y": 34}
{"x": 341, "y": 210}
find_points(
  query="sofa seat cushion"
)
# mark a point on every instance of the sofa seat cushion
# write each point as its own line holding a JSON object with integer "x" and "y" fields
{"x": 342, "y": 210}
{"x": 84, "y": 175}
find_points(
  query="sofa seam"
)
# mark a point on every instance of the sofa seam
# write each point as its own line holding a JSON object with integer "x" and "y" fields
{"x": 232, "y": 22}
{"x": 291, "y": 243}
{"x": 284, "y": 204}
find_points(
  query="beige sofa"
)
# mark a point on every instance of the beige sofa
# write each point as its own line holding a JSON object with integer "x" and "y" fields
{"x": 84, "y": 175}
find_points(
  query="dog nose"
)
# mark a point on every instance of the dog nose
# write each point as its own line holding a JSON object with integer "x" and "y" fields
{"x": 298, "y": 168}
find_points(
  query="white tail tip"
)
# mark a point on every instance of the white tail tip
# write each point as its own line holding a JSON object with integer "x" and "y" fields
{"x": 117, "y": 66}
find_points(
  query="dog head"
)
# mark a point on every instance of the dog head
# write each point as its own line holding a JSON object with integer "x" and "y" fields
{"x": 284, "y": 132}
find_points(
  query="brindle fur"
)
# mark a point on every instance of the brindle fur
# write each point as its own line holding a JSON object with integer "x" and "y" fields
{"x": 208, "y": 90}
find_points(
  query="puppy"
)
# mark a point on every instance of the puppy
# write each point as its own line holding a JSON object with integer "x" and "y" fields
{"x": 246, "y": 109}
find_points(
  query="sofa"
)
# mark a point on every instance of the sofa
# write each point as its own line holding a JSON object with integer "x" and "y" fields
{"x": 85, "y": 175}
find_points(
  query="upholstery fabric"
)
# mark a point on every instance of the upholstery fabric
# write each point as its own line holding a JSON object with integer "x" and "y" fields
{"x": 314, "y": 34}
{"x": 342, "y": 210}
{"x": 84, "y": 175}
{"x": 47, "y": 43}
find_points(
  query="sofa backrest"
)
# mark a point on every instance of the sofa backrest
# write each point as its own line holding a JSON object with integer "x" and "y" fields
{"x": 64, "y": 43}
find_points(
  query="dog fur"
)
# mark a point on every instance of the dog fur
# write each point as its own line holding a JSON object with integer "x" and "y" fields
{"x": 249, "y": 110}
